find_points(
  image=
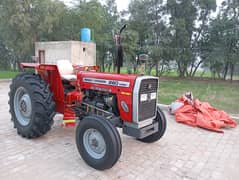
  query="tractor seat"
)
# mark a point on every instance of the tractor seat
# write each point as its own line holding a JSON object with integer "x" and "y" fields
{"x": 66, "y": 70}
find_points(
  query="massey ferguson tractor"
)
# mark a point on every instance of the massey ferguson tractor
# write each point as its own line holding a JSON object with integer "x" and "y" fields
{"x": 97, "y": 103}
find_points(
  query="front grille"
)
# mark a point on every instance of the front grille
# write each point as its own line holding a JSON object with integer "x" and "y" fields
{"x": 148, "y": 85}
{"x": 147, "y": 108}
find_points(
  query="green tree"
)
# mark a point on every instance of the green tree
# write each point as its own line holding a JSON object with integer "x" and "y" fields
{"x": 189, "y": 20}
{"x": 101, "y": 19}
{"x": 22, "y": 23}
{"x": 223, "y": 41}
{"x": 130, "y": 40}
{"x": 7, "y": 57}
{"x": 159, "y": 36}
{"x": 138, "y": 20}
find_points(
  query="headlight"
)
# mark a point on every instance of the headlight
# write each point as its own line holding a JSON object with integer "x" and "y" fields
{"x": 153, "y": 95}
{"x": 143, "y": 97}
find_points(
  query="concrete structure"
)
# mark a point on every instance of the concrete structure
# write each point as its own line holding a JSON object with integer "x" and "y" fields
{"x": 184, "y": 153}
{"x": 77, "y": 52}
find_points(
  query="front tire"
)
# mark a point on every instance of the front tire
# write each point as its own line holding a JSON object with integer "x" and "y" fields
{"x": 31, "y": 105}
{"x": 98, "y": 142}
{"x": 162, "y": 123}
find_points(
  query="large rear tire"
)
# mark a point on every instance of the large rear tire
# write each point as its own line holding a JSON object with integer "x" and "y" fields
{"x": 98, "y": 142}
{"x": 162, "y": 123}
{"x": 31, "y": 105}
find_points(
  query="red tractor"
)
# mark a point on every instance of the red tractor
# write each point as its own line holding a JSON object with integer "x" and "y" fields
{"x": 99, "y": 102}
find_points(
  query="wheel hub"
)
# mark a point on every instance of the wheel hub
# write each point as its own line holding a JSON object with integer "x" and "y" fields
{"x": 94, "y": 143}
{"x": 25, "y": 105}
{"x": 22, "y": 106}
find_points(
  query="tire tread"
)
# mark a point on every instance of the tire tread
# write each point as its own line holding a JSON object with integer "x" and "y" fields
{"x": 43, "y": 105}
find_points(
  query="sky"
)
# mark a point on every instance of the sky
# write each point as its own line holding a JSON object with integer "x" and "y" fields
{"x": 123, "y": 4}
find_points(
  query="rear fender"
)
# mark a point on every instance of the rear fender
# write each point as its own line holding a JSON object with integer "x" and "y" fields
{"x": 29, "y": 65}
{"x": 52, "y": 76}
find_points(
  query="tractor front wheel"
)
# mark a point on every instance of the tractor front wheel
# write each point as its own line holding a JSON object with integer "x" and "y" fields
{"x": 31, "y": 105}
{"x": 98, "y": 142}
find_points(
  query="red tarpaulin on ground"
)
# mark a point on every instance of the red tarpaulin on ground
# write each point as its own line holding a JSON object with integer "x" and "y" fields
{"x": 201, "y": 114}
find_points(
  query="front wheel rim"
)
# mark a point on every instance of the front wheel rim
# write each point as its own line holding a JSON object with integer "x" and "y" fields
{"x": 94, "y": 143}
{"x": 22, "y": 106}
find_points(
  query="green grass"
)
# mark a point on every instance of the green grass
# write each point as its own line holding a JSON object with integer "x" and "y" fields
{"x": 222, "y": 95}
{"x": 200, "y": 74}
{"x": 7, "y": 74}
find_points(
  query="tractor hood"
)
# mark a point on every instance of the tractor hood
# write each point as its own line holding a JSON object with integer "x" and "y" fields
{"x": 106, "y": 81}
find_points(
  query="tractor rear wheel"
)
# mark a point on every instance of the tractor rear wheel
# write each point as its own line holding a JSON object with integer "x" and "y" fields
{"x": 162, "y": 123}
{"x": 31, "y": 105}
{"x": 98, "y": 142}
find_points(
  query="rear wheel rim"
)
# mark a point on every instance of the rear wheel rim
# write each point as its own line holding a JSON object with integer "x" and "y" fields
{"x": 22, "y": 106}
{"x": 94, "y": 143}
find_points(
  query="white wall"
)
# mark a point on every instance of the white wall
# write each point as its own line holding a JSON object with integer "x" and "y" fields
{"x": 69, "y": 50}
{"x": 83, "y": 53}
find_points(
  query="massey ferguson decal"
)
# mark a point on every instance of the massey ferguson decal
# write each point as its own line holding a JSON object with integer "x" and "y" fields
{"x": 107, "y": 82}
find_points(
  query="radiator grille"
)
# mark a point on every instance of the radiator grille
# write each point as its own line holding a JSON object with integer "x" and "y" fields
{"x": 147, "y": 109}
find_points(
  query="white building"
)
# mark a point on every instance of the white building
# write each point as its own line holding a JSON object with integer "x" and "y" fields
{"x": 77, "y": 52}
